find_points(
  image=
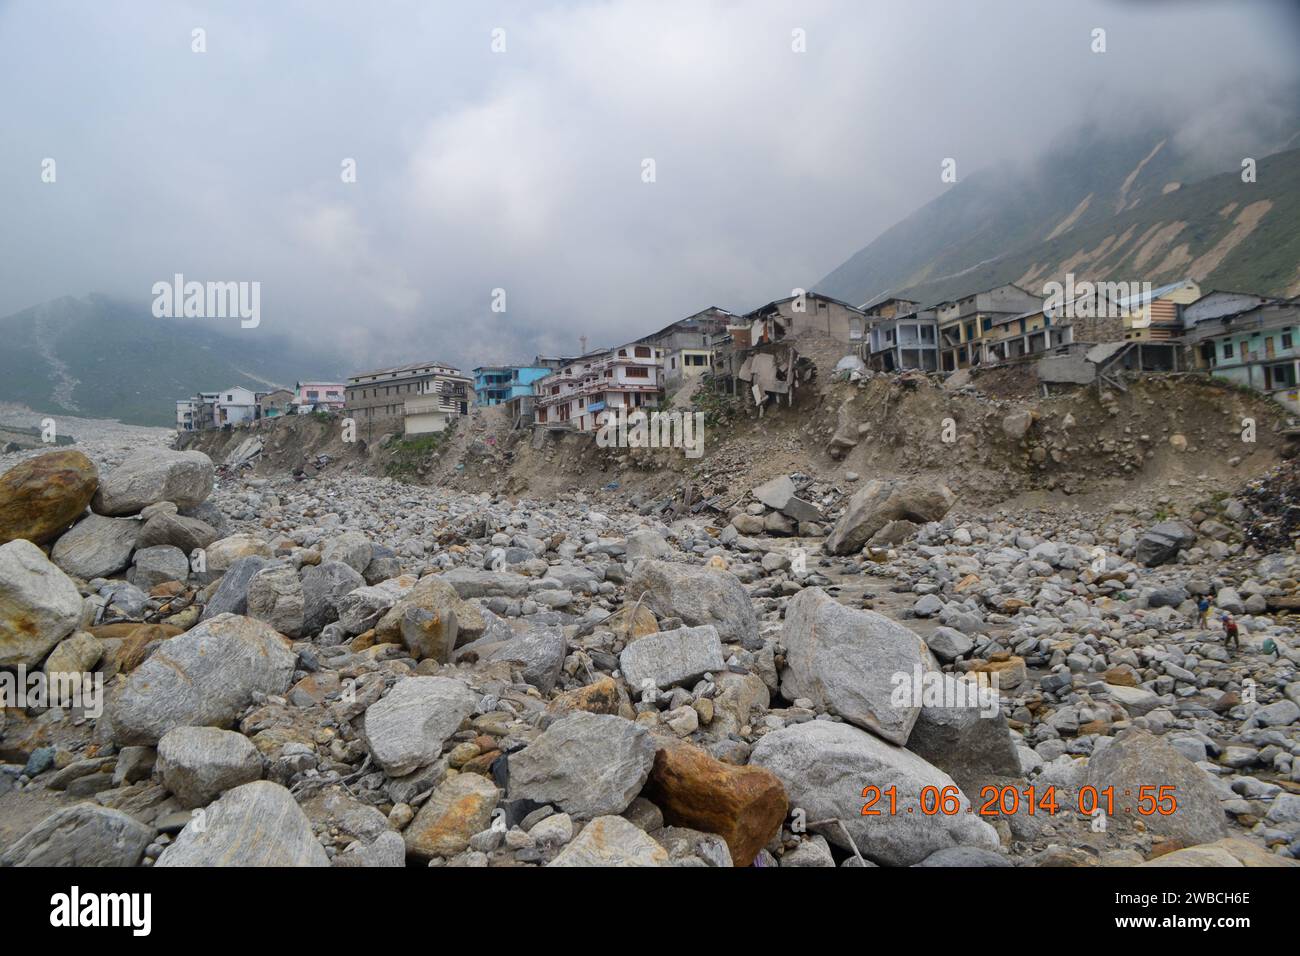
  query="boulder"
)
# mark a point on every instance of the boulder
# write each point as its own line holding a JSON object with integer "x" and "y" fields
{"x": 198, "y": 764}
{"x": 75, "y": 655}
{"x": 39, "y": 604}
{"x": 323, "y": 586}
{"x": 969, "y": 741}
{"x": 41, "y": 497}
{"x": 1134, "y": 760}
{"x": 96, "y": 547}
{"x": 433, "y": 593}
{"x": 352, "y": 548}
{"x": 177, "y": 531}
{"x": 851, "y": 662}
{"x": 680, "y": 656}
{"x": 743, "y": 805}
{"x": 363, "y": 608}
{"x": 257, "y": 824}
{"x": 697, "y": 595}
{"x": 222, "y": 554}
{"x": 457, "y": 809}
{"x": 586, "y": 764}
{"x": 825, "y": 766}
{"x": 612, "y": 841}
{"x": 1162, "y": 543}
{"x": 878, "y": 502}
{"x": 153, "y": 566}
{"x": 275, "y": 596}
{"x": 231, "y": 595}
{"x": 775, "y": 493}
{"x": 83, "y": 834}
{"x": 647, "y": 544}
{"x": 202, "y": 678}
{"x": 153, "y": 475}
{"x": 429, "y": 635}
{"x": 406, "y": 729}
{"x": 540, "y": 651}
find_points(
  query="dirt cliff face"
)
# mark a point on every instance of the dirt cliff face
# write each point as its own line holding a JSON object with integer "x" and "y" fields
{"x": 992, "y": 441}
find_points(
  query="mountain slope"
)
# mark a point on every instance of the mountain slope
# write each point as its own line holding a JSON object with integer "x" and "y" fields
{"x": 1120, "y": 207}
{"x": 101, "y": 358}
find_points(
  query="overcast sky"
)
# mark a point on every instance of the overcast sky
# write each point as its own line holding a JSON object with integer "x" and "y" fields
{"x": 523, "y": 170}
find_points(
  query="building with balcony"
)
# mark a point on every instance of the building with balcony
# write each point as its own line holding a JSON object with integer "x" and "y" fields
{"x": 904, "y": 342}
{"x": 323, "y": 395}
{"x": 964, "y": 323}
{"x": 377, "y": 399}
{"x": 1256, "y": 347}
{"x": 630, "y": 376}
{"x": 498, "y": 384}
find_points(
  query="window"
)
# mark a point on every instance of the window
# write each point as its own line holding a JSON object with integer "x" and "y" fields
{"x": 643, "y": 351}
{"x": 1227, "y": 350}
{"x": 1286, "y": 340}
{"x": 638, "y": 371}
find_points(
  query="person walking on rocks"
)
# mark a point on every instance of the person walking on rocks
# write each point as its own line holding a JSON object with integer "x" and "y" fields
{"x": 1203, "y": 613}
{"x": 1230, "y": 638}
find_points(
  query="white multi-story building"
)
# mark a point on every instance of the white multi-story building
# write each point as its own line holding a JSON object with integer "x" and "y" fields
{"x": 630, "y": 376}
{"x": 236, "y": 405}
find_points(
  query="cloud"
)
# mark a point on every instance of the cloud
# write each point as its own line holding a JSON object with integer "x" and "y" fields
{"x": 522, "y": 170}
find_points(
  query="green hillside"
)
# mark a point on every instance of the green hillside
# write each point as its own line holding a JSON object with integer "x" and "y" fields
{"x": 101, "y": 358}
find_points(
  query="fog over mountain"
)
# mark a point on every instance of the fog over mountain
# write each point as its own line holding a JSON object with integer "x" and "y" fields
{"x": 784, "y": 137}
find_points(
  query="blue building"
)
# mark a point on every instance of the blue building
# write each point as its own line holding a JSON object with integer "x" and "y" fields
{"x": 498, "y": 384}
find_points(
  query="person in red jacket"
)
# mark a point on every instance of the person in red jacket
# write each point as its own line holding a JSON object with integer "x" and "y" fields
{"x": 1230, "y": 638}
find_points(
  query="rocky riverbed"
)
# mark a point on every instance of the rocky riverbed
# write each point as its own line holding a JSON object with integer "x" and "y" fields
{"x": 351, "y": 671}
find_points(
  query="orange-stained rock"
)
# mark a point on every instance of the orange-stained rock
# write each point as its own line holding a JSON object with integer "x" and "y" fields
{"x": 136, "y": 639}
{"x": 42, "y": 496}
{"x": 459, "y": 808}
{"x": 602, "y": 697}
{"x": 481, "y": 764}
{"x": 743, "y": 805}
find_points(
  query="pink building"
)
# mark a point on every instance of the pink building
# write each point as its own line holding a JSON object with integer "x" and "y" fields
{"x": 327, "y": 394}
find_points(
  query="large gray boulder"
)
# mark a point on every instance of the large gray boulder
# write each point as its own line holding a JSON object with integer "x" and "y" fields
{"x": 153, "y": 566}
{"x": 83, "y": 834}
{"x": 275, "y": 596}
{"x": 612, "y": 841}
{"x": 257, "y": 824}
{"x": 825, "y": 766}
{"x": 176, "y": 530}
{"x": 351, "y": 547}
{"x": 681, "y": 656}
{"x": 776, "y": 492}
{"x": 231, "y": 595}
{"x": 1162, "y": 543}
{"x": 406, "y": 729}
{"x": 586, "y": 764}
{"x": 877, "y": 503}
{"x": 1135, "y": 763}
{"x": 434, "y": 594}
{"x": 202, "y": 678}
{"x": 541, "y": 651}
{"x": 96, "y": 547}
{"x": 323, "y": 585}
{"x": 855, "y": 663}
{"x": 39, "y": 604}
{"x": 969, "y": 739}
{"x": 698, "y": 595}
{"x": 153, "y": 475}
{"x": 198, "y": 764}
